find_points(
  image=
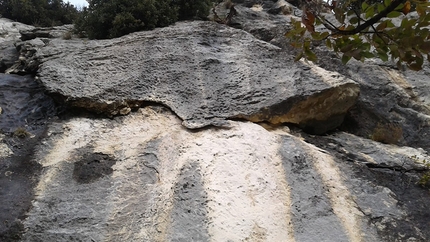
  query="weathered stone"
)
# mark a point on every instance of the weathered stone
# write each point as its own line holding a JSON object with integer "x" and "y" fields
{"x": 237, "y": 184}
{"x": 8, "y": 56}
{"x": 23, "y": 103}
{"x": 10, "y": 29}
{"x": 390, "y": 101}
{"x": 9, "y": 34}
{"x": 28, "y": 62}
{"x": 5, "y": 151}
{"x": 388, "y": 97}
{"x": 205, "y": 72}
{"x": 143, "y": 177}
{"x": 384, "y": 182}
{"x": 46, "y": 32}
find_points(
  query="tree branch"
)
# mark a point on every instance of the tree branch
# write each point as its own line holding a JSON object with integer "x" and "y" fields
{"x": 393, "y": 5}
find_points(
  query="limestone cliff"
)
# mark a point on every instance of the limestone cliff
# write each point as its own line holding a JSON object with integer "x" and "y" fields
{"x": 194, "y": 132}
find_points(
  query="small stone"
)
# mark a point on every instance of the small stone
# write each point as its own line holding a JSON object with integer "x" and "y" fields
{"x": 125, "y": 111}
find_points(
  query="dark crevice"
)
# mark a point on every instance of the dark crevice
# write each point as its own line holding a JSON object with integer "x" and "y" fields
{"x": 394, "y": 168}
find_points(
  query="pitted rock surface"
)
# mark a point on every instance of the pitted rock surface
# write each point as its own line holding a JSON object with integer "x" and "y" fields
{"x": 23, "y": 103}
{"x": 240, "y": 184}
{"x": 205, "y": 72}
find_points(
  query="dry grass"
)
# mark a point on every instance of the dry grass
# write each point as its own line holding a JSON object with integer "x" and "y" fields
{"x": 286, "y": 9}
{"x": 67, "y": 35}
{"x": 387, "y": 133}
{"x": 21, "y": 133}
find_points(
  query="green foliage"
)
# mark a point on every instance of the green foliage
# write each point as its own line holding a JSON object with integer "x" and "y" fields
{"x": 425, "y": 177}
{"x": 188, "y": 9}
{"x": 114, "y": 18}
{"x": 382, "y": 29}
{"x": 38, "y": 12}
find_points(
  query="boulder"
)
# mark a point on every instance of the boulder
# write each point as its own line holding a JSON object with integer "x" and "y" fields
{"x": 393, "y": 106}
{"x": 205, "y": 72}
{"x": 8, "y": 56}
{"x": 46, "y": 32}
{"x": 9, "y": 34}
{"x": 10, "y": 30}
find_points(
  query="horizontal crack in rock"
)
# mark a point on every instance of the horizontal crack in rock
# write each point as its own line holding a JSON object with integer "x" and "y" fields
{"x": 322, "y": 111}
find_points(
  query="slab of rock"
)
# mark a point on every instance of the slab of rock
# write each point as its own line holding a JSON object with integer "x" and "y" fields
{"x": 205, "y": 72}
{"x": 9, "y": 30}
{"x": 9, "y": 34}
{"x": 146, "y": 178}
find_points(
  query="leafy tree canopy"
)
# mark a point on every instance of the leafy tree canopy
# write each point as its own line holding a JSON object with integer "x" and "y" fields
{"x": 386, "y": 29}
{"x": 108, "y": 19}
{"x": 38, "y": 12}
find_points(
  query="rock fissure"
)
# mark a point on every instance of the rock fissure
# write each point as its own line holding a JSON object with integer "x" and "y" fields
{"x": 395, "y": 168}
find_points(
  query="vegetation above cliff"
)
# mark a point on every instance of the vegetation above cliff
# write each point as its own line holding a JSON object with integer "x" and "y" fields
{"x": 109, "y": 19}
{"x": 39, "y": 12}
{"x": 359, "y": 29}
{"x": 396, "y": 29}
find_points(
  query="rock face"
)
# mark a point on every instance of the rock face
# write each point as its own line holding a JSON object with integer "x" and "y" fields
{"x": 392, "y": 102}
{"x": 23, "y": 102}
{"x": 147, "y": 174}
{"x": 148, "y": 179}
{"x": 205, "y": 72}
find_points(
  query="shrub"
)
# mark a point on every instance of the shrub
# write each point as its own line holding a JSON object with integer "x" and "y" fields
{"x": 424, "y": 179}
{"x": 39, "y": 12}
{"x": 387, "y": 133}
{"x": 109, "y": 19}
{"x": 189, "y": 9}
{"x": 67, "y": 35}
{"x": 21, "y": 133}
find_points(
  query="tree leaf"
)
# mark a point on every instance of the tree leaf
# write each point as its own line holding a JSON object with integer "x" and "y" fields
{"x": 383, "y": 56}
{"x": 308, "y": 19}
{"x": 310, "y": 55}
{"x": 319, "y": 36}
{"x": 339, "y": 15}
{"x": 328, "y": 43}
{"x": 425, "y": 47}
{"x": 364, "y": 6}
{"x": 367, "y": 54}
{"x": 420, "y": 10}
{"x": 347, "y": 48}
{"x": 415, "y": 66}
{"x": 381, "y": 26}
{"x": 393, "y": 14}
{"x": 389, "y": 23}
{"x": 387, "y": 3}
{"x": 356, "y": 54}
{"x": 407, "y": 8}
{"x": 380, "y": 7}
{"x": 299, "y": 56}
{"x": 345, "y": 59}
{"x": 369, "y": 12}
{"x": 353, "y": 20}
